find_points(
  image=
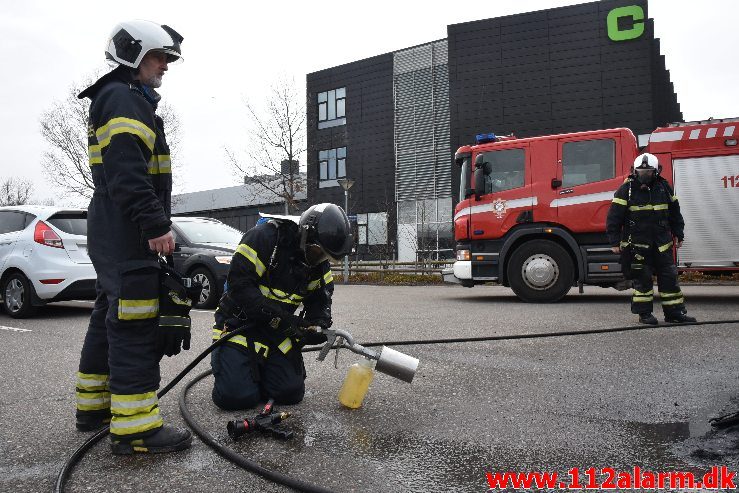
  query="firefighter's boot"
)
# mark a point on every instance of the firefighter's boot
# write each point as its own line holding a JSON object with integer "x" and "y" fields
{"x": 647, "y": 318}
{"x": 680, "y": 318}
{"x": 92, "y": 421}
{"x": 167, "y": 439}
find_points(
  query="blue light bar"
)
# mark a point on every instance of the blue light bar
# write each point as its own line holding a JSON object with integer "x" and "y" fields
{"x": 484, "y": 138}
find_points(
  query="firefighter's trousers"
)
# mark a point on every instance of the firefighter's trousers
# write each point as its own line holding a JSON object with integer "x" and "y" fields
{"x": 119, "y": 365}
{"x": 246, "y": 376}
{"x": 646, "y": 262}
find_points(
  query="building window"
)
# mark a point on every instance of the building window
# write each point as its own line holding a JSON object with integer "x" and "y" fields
{"x": 588, "y": 161}
{"x": 332, "y": 108}
{"x": 425, "y": 229}
{"x": 331, "y": 166}
{"x": 372, "y": 228}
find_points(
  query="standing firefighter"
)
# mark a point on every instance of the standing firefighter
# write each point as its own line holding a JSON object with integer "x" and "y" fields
{"x": 278, "y": 266}
{"x": 128, "y": 226}
{"x": 642, "y": 221}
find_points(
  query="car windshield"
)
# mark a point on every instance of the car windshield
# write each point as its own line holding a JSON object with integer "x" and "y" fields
{"x": 74, "y": 223}
{"x": 209, "y": 232}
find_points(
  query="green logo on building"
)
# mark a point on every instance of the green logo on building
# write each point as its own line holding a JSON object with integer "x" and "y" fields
{"x": 636, "y": 13}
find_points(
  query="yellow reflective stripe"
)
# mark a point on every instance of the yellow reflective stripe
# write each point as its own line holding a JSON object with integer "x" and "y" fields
{"x": 122, "y": 125}
{"x": 293, "y": 299}
{"x": 258, "y": 346}
{"x": 674, "y": 198}
{"x": 313, "y": 285}
{"x": 240, "y": 340}
{"x": 665, "y": 247}
{"x": 649, "y": 207}
{"x": 645, "y": 293}
{"x": 252, "y": 256}
{"x": 92, "y": 381}
{"x": 676, "y": 301}
{"x": 641, "y": 299}
{"x": 132, "y": 404}
{"x": 676, "y": 294}
{"x": 93, "y": 152}
{"x": 286, "y": 345}
{"x": 138, "y": 309}
{"x": 640, "y": 245}
{"x": 93, "y": 401}
{"x": 328, "y": 277}
{"x": 618, "y": 201}
{"x": 160, "y": 164}
{"x": 128, "y": 425}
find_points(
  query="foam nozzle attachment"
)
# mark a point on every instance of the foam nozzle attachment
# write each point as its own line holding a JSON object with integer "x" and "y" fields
{"x": 396, "y": 364}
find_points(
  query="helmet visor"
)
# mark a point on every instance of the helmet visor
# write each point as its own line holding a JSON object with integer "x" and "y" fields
{"x": 314, "y": 254}
{"x": 645, "y": 175}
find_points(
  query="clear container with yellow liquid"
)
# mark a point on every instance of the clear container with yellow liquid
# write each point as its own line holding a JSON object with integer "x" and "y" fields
{"x": 356, "y": 383}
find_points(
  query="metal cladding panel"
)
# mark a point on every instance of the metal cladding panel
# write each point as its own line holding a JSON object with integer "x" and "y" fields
{"x": 421, "y": 127}
{"x": 708, "y": 204}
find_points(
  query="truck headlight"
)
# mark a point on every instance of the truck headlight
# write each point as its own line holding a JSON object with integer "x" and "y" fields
{"x": 463, "y": 255}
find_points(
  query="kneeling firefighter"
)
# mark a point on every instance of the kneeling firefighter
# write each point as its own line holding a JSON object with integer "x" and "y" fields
{"x": 643, "y": 218}
{"x": 279, "y": 265}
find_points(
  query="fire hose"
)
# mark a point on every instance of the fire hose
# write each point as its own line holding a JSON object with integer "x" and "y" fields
{"x": 398, "y": 365}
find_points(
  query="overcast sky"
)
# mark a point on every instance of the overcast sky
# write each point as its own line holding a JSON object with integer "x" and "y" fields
{"x": 236, "y": 50}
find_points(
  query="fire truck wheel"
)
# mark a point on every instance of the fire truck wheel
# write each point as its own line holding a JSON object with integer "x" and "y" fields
{"x": 540, "y": 271}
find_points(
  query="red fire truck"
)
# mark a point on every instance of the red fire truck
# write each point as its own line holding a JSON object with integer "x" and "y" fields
{"x": 532, "y": 211}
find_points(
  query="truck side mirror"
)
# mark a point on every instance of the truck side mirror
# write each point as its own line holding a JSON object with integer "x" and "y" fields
{"x": 479, "y": 182}
{"x": 479, "y": 176}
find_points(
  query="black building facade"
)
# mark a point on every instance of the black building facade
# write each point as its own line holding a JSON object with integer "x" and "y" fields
{"x": 395, "y": 120}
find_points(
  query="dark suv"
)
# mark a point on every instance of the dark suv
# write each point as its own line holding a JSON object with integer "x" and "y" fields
{"x": 205, "y": 248}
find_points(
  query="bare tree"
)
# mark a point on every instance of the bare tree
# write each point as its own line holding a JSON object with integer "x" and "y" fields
{"x": 15, "y": 191}
{"x": 276, "y": 143}
{"x": 64, "y": 127}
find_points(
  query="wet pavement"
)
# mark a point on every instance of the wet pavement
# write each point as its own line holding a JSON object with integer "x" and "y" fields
{"x": 640, "y": 398}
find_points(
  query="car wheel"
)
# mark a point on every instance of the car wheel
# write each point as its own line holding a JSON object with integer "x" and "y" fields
{"x": 17, "y": 293}
{"x": 210, "y": 292}
{"x": 540, "y": 271}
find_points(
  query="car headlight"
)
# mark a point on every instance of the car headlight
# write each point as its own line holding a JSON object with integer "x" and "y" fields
{"x": 223, "y": 260}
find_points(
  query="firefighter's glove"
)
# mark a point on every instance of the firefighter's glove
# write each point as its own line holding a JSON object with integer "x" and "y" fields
{"x": 289, "y": 325}
{"x": 172, "y": 338}
{"x": 174, "y": 323}
{"x": 313, "y": 336}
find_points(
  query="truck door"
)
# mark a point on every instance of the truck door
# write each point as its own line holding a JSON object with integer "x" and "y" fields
{"x": 590, "y": 170}
{"x": 507, "y": 193}
{"x": 708, "y": 190}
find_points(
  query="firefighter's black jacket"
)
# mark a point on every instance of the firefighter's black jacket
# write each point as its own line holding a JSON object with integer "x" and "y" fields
{"x": 644, "y": 214}
{"x": 269, "y": 277}
{"x": 131, "y": 167}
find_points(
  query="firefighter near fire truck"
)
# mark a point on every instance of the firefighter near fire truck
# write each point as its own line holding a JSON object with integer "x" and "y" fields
{"x": 643, "y": 224}
{"x": 141, "y": 310}
{"x": 532, "y": 211}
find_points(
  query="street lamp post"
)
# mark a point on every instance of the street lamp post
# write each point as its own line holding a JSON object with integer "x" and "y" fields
{"x": 346, "y": 184}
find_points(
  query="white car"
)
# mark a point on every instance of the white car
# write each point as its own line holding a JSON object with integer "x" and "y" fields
{"x": 43, "y": 257}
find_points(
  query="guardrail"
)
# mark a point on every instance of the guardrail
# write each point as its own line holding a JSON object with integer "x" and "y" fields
{"x": 429, "y": 267}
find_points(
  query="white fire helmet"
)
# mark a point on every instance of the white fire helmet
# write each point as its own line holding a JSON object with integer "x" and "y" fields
{"x": 646, "y": 161}
{"x": 130, "y": 41}
{"x": 646, "y": 167}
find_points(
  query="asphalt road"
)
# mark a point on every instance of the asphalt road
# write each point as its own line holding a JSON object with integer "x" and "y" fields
{"x": 638, "y": 398}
